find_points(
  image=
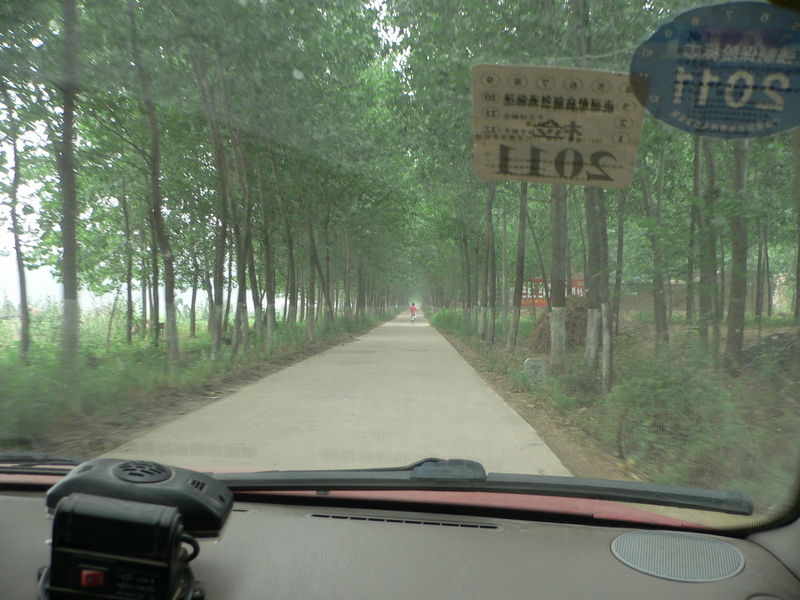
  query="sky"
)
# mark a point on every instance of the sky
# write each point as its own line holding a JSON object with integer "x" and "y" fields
{"x": 40, "y": 282}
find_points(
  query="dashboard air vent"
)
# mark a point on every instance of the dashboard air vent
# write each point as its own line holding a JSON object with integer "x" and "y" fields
{"x": 372, "y": 519}
{"x": 198, "y": 484}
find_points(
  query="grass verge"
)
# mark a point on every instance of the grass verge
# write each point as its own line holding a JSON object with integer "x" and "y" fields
{"x": 121, "y": 385}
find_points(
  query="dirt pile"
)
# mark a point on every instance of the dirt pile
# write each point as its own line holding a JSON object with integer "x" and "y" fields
{"x": 778, "y": 349}
{"x": 577, "y": 309}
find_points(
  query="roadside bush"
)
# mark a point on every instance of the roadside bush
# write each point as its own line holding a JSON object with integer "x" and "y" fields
{"x": 452, "y": 322}
{"x": 576, "y": 387}
{"x": 25, "y": 393}
{"x": 674, "y": 421}
{"x": 674, "y": 417}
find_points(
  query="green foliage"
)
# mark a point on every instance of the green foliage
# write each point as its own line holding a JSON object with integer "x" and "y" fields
{"x": 28, "y": 392}
{"x": 576, "y": 387}
{"x": 451, "y": 321}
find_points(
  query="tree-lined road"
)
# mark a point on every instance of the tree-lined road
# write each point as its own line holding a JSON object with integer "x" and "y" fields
{"x": 396, "y": 395}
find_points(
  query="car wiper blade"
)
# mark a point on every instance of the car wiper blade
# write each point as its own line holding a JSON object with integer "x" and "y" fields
{"x": 427, "y": 470}
{"x": 436, "y": 469}
{"x": 466, "y": 475}
{"x": 27, "y": 458}
{"x": 728, "y": 501}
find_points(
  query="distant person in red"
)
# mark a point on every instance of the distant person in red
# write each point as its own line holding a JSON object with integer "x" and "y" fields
{"x": 413, "y": 310}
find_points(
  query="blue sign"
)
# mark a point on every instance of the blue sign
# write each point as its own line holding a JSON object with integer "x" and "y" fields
{"x": 729, "y": 71}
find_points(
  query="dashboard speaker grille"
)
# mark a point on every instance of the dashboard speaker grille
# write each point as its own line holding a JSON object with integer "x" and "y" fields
{"x": 678, "y": 556}
{"x": 141, "y": 471}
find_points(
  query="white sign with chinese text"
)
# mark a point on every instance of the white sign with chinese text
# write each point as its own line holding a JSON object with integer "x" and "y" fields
{"x": 548, "y": 125}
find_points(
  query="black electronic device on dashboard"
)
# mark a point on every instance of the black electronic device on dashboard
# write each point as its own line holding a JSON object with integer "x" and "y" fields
{"x": 203, "y": 502}
{"x": 121, "y": 529}
{"x": 118, "y": 550}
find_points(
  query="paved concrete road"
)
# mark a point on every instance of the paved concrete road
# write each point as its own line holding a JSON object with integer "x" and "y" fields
{"x": 398, "y": 394}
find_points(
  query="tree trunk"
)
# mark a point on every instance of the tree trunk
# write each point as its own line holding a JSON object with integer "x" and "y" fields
{"x": 486, "y": 261}
{"x": 767, "y": 272}
{"x": 128, "y": 268}
{"x": 476, "y": 251}
{"x": 241, "y": 330}
{"x": 327, "y": 286}
{"x": 617, "y": 301}
{"x": 348, "y": 304}
{"x": 579, "y": 219}
{"x": 568, "y": 251}
{"x": 312, "y": 298}
{"x": 519, "y": 279}
{"x": 490, "y": 245}
{"x": 221, "y": 166}
{"x": 269, "y": 264}
{"x": 24, "y": 312}
{"x": 155, "y": 283}
{"x": 541, "y": 262}
{"x": 690, "y": 263}
{"x": 592, "y": 280}
{"x": 145, "y": 291}
{"x": 70, "y": 339}
{"x": 227, "y": 310}
{"x": 316, "y": 266}
{"x": 467, "y": 278}
{"x": 738, "y": 292}
{"x": 653, "y": 214}
{"x": 558, "y": 296}
{"x": 255, "y": 293}
{"x": 598, "y": 326}
{"x": 154, "y": 156}
{"x": 607, "y": 367}
{"x": 291, "y": 270}
{"x": 193, "y": 303}
{"x": 111, "y": 316}
{"x": 208, "y": 286}
{"x": 694, "y": 218}
{"x": 301, "y": 306}
{"x": 361, "y": 290}
{"x": 707, "y": 257}
{"x": 504, "y": 273}
{"x": 719, "y": 304}
{"x": 796, "y": 140}
{"x": 241, "y": 224}
{"x": 242, "y": 316}
{"x": 758, "y": 295}
{"x": 605, "y": 299}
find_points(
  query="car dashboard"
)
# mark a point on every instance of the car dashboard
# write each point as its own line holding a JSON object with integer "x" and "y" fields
{"x": 278, "y": 547}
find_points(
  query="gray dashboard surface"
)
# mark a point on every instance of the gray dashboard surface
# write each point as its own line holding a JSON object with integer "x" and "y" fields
{"x": 277, "y": 551}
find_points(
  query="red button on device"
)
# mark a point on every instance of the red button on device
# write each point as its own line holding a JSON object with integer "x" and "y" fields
{"x": 92, "y": 578}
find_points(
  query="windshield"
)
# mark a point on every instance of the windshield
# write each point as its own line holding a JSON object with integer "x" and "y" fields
{"x": 557, "y": 239}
